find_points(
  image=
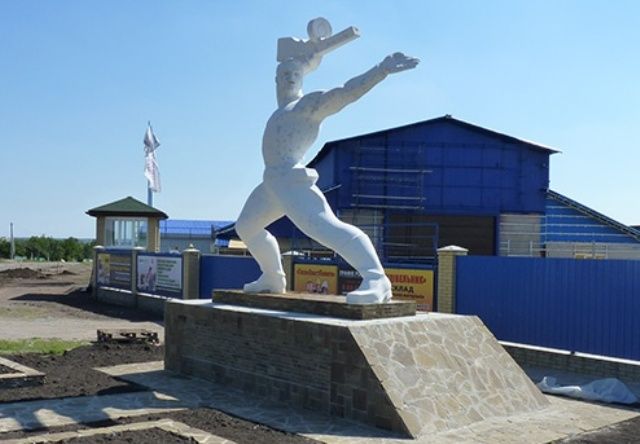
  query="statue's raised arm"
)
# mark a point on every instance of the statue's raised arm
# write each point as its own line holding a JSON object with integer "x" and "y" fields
{"x": 330, "y": 102}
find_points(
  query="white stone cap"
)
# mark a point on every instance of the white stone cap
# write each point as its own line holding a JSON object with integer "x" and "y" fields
{"x": 191, "y": 249}
{"x": 452, "y": 249}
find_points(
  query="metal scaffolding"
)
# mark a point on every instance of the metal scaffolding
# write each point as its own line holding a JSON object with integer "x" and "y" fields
{"x": 380, "y": 177}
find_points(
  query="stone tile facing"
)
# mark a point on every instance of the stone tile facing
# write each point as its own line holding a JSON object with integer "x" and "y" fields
{"x": 45, "y": 413}
{"x": 326, "y": 305}
{"x": 445, "y": 372}
{"x": 414, "y": 375}
{"x": 562, "y": 418}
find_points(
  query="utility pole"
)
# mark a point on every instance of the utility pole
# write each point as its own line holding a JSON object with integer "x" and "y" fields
{"x": 12, "y": 253}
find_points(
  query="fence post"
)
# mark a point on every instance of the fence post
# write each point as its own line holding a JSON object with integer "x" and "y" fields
{"x": 94, "y": 271}
{"x": 134, "y": 272}
{"x": 191, "y": 273}
{"x": 287, "y": 264}
{"x": 447, "y": 277}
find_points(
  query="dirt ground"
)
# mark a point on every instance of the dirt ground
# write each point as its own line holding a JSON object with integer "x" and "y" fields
{"x": 45, "y": 300}
{"x": 153, "y": 436}
{"x": 73, "y": 374}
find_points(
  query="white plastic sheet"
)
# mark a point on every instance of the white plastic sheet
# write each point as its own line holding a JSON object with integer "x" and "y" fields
{"x": 605, "y": 390}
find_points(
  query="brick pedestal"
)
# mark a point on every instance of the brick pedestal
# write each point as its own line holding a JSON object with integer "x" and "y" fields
{"x": 414, "y": 375}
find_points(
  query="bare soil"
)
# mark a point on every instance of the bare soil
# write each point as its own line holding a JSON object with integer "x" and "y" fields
{"x": 52, "y": 294}
{"x": 151, "y": 436}
{"x": 47, "y": 300}
{"x": 73, "y": 374}
{"x": 625, "y": 432}
{"x": 22, "y": 273}
{"x": 35, "y": 294}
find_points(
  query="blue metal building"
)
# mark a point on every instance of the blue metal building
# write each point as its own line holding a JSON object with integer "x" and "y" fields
{"x": 444, "y": 181}
{"x": 444, "y": 173}
{"x": 442, "y": 165}
{"x": 569, "y": 229}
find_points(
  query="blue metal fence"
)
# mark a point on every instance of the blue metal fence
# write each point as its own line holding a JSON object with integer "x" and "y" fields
{"x": 226, "y": 272}
{"x": 587, "y": 306}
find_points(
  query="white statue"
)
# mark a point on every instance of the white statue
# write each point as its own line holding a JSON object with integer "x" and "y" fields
{"x": 288, "y": 188}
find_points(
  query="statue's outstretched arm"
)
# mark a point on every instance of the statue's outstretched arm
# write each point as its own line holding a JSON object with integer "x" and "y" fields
{"x": 332, "y": 101}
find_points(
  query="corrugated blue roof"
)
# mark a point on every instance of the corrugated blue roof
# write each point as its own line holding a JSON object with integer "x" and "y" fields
{"x": 446, "y": 118}
{"x": 191, "y": 227}
{"x": 567, "y": 220}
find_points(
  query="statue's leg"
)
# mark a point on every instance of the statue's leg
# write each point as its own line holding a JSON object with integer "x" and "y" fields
{"x": 308, "y": 210}
{"x": 259, "y": 211}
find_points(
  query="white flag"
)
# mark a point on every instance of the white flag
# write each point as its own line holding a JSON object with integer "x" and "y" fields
{"x": 151, "y": 171}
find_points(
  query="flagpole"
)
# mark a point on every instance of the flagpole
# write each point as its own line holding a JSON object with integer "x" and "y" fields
{"x": 149, "y": 195}
{"x": 151, "y": 167}
{"x": 149, "y": 192}
{"x": 12, "y": 252}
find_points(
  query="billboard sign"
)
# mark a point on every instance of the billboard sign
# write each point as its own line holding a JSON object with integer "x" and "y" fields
{"x": 159, "y": 275}
{"x": 114, "y": 270}
{"x": 311, "y": 278}
{"x": 412, "y": 284}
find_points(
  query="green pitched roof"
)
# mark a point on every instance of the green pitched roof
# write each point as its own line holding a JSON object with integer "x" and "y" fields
{"x": 129, "y": 207}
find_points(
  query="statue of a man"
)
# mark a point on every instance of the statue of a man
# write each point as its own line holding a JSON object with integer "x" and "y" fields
{"x": 288, "y": 188}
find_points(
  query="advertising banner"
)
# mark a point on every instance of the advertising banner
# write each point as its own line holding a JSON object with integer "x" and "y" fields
{"x": 114, "y": 270}
{"x": 103, "y": 269}
{"x": 412, "y": 284}
{"x": 160, "y": 274}
{"x": 311, "y": 278}
{"x": 348, "y": 280}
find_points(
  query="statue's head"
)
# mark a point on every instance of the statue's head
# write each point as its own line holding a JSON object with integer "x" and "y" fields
{"x": 289, "y": 75}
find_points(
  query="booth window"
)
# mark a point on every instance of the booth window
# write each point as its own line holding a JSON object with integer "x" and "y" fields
{"x": 126, "y": 232}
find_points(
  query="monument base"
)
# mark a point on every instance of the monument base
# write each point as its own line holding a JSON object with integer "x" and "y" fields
{"x": 327, "y": 305}
{"x": 415, "y": 375}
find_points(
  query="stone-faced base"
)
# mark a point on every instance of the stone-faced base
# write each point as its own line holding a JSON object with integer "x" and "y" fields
{"x": 414, "y": 375}
{"x": 326, "y": 305}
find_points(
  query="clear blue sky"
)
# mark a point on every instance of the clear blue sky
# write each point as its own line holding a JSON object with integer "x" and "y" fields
{"x": 80, "y": 79}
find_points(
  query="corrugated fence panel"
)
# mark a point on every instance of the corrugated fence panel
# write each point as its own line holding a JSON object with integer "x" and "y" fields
{"x": 589, "y": 306}
{"x": 226, "y": 272}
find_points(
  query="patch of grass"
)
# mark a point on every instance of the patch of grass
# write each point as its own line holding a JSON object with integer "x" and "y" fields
{"x": 46, "y": 346}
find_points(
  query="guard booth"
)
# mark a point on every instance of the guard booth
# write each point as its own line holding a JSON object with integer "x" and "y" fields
{"x": 128, "y": 223}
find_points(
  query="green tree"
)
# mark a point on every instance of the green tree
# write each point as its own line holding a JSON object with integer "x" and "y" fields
{"x": 87, "y": 249}
{"x": 42, "y": 247}
{"x": 35, "y": 248}
{"x": 20, "y": 248}
{"x": 72, "y": 249}
{"x": 55, "y": 250}
{"x": 5, "y": 248}
{"x": 47, "y": 248}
